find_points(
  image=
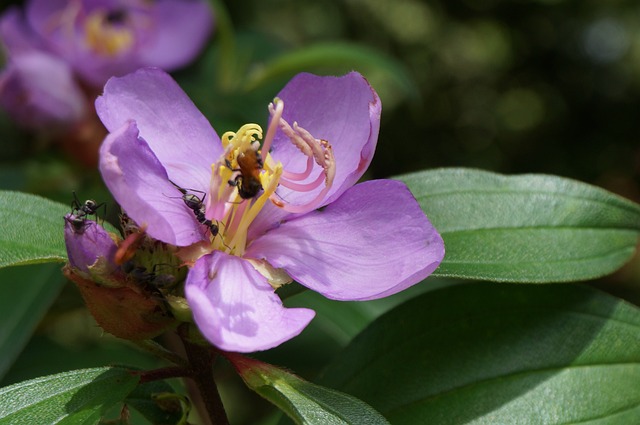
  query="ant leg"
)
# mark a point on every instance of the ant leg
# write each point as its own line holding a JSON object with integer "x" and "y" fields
{"x": 102, "y": 205}
{"x": 75, "y": 204}
{"x": 184, "y": 190}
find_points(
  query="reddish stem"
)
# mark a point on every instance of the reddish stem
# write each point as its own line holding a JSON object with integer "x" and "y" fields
{"x": 201, "y": 372}
{"x": 163, "y": 373}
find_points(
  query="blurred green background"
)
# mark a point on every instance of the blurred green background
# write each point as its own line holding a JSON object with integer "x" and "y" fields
{"x": 510, "y": 86}
{"x": 546, "y": 86}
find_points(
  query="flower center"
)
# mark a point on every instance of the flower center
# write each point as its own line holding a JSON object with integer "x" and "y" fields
{"x": 107, "y": 33}
{"x": 246, "y": 176}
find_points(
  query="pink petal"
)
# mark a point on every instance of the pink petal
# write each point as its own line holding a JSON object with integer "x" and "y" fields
{"x": 371, "y": 242}
{"x": 39, "y": 91}
{"x": 139, "y": 183}
{"x": 236, "y": 309}
{"x": 15, "y": 33}
{"x": 343, "y": 110}
{"x": 40, "y": 13}
{"x": 175, "y": 130}
{"x": 181, "y": 31}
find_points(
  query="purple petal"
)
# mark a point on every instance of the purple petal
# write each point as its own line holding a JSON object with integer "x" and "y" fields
{"x": 343, "y": 110}
{"x": 86, "y": 243}
{"x": 41, "y": 12}
{"x": 182, "y": 29}
{"x": 15, "y": 33}
{"x": 236, "y": 309}
{"x": 175, "y": 130}
{"x": 95, "y": 69}
{"x": 139, "y": 183}
{"x": 269, "y": 216}
{"x": 371, "y": 242}
{"x": 38, "y": 90}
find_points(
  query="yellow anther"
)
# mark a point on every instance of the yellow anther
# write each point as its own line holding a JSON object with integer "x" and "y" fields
{"x": 239, "y": 213}
{"x": 105, "y": 38}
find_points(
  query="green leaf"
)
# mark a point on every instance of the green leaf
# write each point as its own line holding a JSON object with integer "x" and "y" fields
{"x": 490, "y": 353}
{"x": 143, "y": 399}
{"x": 73, "y": 342}
{"x": 526, "y": 228}
{"x": 341, "y": 321}
{"x": 334, "y": 57}
{"x": 32, "y": 229}
{"x": 77, "y": 397}
{"x": 27, "y": 293}
{"x": 302, "y": 401}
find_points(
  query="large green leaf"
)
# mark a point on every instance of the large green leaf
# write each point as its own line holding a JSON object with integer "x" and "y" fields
{"x": 526, "y": 228}
{"x": 27, "y": 293}
{"x": 79, "y": 397}
{"x": 302, "y": 401}
{"x": 32, "y": 229}
{"x": 491, "y": 353}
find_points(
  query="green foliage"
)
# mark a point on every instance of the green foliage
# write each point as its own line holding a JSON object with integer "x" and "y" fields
{"x": 488, "y": 353}
{"x": 27, "y": 293}
{"x": 79, "y": 397}
{"x": 302, "y": 401}
{"x": 333, "y": 58}
{"x": 143, "y": 399}
{"x": 526, "y": 228}
{"x": 31, "y": 229}
{"x": 503, "y": 88}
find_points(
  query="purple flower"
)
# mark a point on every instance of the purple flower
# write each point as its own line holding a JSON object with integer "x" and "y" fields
{"x": 119, "y": 303}
{"x": 103, "y": 38}
{"x": 39, "y": 90}
{"x": 251, "y": 218}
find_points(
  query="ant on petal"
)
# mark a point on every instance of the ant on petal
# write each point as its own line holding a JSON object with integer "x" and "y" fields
{"x": 80, "y": 212}
{"x": 196, "y": 204}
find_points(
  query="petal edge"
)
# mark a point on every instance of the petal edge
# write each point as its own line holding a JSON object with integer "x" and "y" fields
{"x": 371, "y": 242}
{"x": 236, "y": 309}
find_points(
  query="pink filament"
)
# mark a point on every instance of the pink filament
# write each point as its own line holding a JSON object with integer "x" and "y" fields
{"x": 298, "y": 209}
{"x": 276, "y": 114}
{"x": 299, "y": 187}
{"x": 299, "y": 176}
{"x": 238, "y": 215}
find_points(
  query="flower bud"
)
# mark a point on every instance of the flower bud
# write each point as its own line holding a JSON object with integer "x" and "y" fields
{"x": 119, "y": 303}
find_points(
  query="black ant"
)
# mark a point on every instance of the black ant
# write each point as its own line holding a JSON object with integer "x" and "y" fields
{"x": 89, "y": 207}
{"x": 196, "y": 204}
{"x": 249, "y": 166}
{"x": 80, "y": 212}
{"x": 142, "y": 276}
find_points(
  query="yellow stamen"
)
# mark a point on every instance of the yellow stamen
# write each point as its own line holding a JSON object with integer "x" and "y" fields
{"x": 238, "y": 213}
{"x": 236, "y": 197}
{"x": 269, "y": 185}
{"x": 105, "y": 38}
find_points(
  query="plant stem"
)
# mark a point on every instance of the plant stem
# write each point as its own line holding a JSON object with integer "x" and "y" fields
{"x": 201, "y": 367}
{"x": 158, "y": 350}
{"x": 163, "y": 373}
